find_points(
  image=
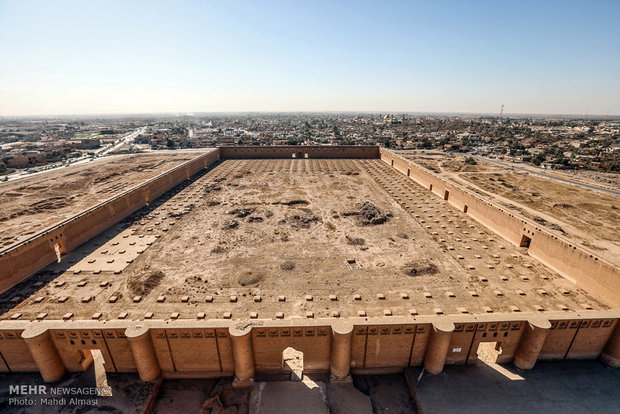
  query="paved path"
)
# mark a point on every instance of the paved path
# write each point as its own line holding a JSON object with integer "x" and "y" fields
{"x": 305, "y": 397}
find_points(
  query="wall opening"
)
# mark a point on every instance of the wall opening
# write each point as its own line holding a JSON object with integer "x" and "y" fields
{"x": 94, "y": 370}
{"x": 446, "y": 194}
{"x": 408, "y": 172}
{"x": 392, "y": 163}
{"x": 465, "y": 208}
{"x": 293, "y": 155}
{"x": 525, "y": 241}
{"x": 306, "y": 155}
{"x": 60, "y": 249}
{"x": 489, "y": 351}
{"x": 293, "y": 362}
{"x": 430, "y": 187}
{"x": 487, "y": 355}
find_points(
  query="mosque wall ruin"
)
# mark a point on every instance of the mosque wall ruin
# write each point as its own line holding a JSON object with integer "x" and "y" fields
{"x": 339, "y": 346}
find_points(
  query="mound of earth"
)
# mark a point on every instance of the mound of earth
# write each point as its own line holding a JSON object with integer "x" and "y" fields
{"x": 368, "y": 214}
{"x": 230, "y": 224}
{"x": 241, "y": 212}
{"x": 250, "y": 278}
{"x": 419, "y": 269}
{"x": 302, "y": 221}
{"x": 145, "y": 283}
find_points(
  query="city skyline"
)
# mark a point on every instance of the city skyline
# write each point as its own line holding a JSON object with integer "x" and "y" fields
{"x": 180, "y": 57}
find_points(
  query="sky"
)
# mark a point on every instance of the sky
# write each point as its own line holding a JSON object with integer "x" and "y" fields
{"x": 107, "y": 57}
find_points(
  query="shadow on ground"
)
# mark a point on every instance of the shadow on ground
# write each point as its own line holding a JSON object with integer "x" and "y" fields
{"x": 560, "y": 387}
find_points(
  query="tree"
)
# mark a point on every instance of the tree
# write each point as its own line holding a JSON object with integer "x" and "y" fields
{"x": 387, "y": 142}
{"x": 539, "y": 158}
{"x": 470, "y": 161}
{"x": 169, "y": 143}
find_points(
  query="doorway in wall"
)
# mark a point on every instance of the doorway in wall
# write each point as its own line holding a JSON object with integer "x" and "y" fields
{"x": 293, "y": 362}
{"x": 487, "y": 355}
{"x": 525, "y": 241}
{"x": 489, "y": 351}
{"x": 60, "y": 249}
{"x": 94, "y": 371}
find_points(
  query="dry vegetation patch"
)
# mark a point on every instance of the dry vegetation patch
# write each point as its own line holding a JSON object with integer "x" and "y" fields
{"x": 250, "y": 278}
{"x": 146, "y": 282}
{"x": 355, "y": 241}
{"x": 288, "y": 265}
{"x": 420, "y": 268}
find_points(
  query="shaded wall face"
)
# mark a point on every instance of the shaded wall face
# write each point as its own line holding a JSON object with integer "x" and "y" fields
{"x": 577, "y": 339}
{"x": 14, "y": 352}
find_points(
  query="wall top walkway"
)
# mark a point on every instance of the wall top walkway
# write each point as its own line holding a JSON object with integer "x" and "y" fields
{"x": 268, "y": 323}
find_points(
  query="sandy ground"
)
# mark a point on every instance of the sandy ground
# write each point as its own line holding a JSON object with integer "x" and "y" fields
{"x": 251, "y": 238}
{"x": 591, "y": 218}
{"x": 33, "y": 203}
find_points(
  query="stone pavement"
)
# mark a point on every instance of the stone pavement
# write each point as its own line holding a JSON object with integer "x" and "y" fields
{"x": 300, "y": 397}
{"x": 576, "y": 387}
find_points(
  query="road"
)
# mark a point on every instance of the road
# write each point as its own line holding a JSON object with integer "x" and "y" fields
{"x": 550, "y": 176}
{"x": 127, "y": 139}
{"x": 83, "y": 159}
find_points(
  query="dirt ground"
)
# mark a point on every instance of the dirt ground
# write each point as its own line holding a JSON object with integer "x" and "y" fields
{"x": 307, "y": 238}
{"x": 590, "y": 218}
{"x": 33, "y": 203}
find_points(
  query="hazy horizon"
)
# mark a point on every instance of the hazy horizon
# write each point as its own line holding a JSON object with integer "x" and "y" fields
{"x": 180, "y": 114}
{"x": 106, "y": 58}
